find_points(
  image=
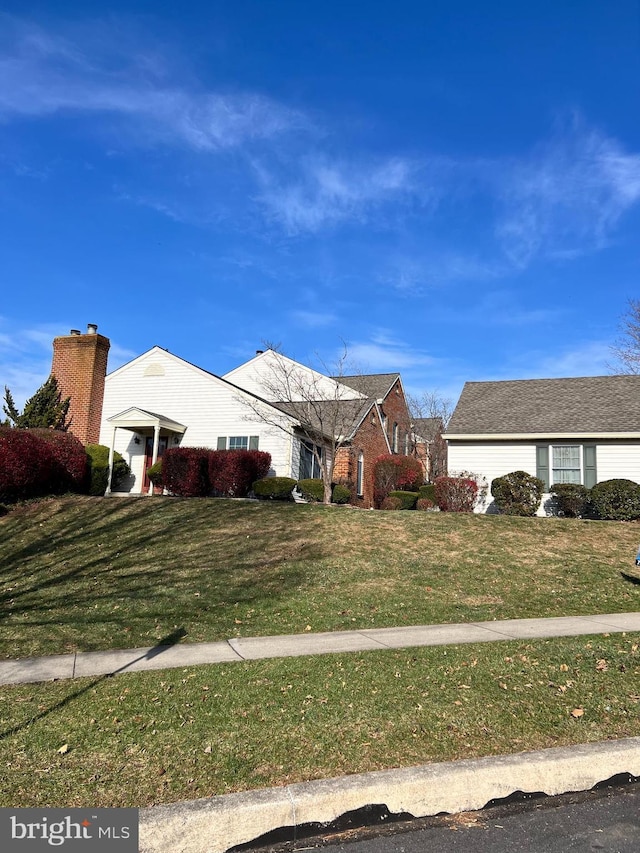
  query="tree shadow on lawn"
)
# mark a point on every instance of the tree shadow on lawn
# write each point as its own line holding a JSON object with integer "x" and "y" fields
{"x": 162, "y": 646}
{"x": 173, "y": 559}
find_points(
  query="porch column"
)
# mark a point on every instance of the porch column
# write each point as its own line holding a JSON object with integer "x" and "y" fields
{"x": 110, "y": 468}
{"x": 154, "y": 455}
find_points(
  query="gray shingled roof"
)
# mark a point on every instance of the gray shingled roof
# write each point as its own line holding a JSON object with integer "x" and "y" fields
{"x": 325, "y": 415}
{"x": 427, "y": 428}
{"x": 376, "y": 385}
{"x": 590, "y": 404}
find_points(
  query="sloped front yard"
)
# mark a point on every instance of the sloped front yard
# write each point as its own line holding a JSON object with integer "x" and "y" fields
{"x": 89, "y": 573}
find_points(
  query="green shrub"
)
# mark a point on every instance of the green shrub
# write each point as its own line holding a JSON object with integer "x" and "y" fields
{"x": 98, "y": 455}
{"x": 428, "y": 491}
{"x": 274, "y": 488}
{"x": 391, "y": 503}
{"x": 572, "y": 499}
{"x": 312, "y": 489}
{"x": 341, "y": 494}
{"x": 154, "y": 473}
{"x": 616, "y": 500}
{"x": 407, "y": 499}
{"x": 517, "y": 493}
{"x": 424, "y": 504}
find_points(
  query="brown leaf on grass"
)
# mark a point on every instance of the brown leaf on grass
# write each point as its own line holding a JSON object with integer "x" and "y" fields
{"x": 564, "y": 667}
{"x": 577, "y": 713}
{"x": 63, "y": 749}
{"x": 602, "y": 666}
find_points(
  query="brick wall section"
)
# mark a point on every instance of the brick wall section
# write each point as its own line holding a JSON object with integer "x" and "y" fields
{"x": 369, "y": 439}
{"x": 80, "y": 367}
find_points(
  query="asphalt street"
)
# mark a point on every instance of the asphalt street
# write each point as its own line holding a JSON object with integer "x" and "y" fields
{"x": 606, "y": 820}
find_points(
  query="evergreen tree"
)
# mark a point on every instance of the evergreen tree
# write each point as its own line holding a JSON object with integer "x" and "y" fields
{"x": 46, "y": 409}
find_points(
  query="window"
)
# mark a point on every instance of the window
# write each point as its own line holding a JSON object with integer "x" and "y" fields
{"x": 566, "y": 463}
{"x": 394, "y": 438}
{"x": 360, "y": 475}
{"x": 309, "y": 467}
{"x": 238, "y": 442}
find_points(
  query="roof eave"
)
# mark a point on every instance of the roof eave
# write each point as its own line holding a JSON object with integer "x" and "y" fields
{"x": 538, "y": 436}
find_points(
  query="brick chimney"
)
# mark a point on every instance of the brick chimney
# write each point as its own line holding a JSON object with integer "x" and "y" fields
{"x": 80, "y": 367}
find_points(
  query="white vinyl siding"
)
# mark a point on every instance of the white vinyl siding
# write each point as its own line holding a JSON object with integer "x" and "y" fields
{"x": 206, "y": 405}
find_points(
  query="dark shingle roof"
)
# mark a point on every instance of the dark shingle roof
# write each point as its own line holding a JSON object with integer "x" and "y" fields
{"x": 324, "y": 416}
{"x": 590, "y": 404}
{"x": 376, "y": 385}
{"x": 427, "y": 428}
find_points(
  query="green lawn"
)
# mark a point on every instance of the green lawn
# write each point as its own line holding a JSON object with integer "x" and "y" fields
{"x": 90, "y": 573}
{"x": 83, "y": 573}
{"x": 145, "y": 738}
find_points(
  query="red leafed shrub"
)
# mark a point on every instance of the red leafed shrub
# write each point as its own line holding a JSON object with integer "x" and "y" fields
{"x": 424, "y": 504}
{"x": 392, "y": 472}
{"x": 39, "y": 462}
{"x": 70, "y": 458}
{"x": 185, "y": 471}
{"x": 456, "y": 494}
{"x": 233, "y": 472}
{"x": 25, "y": 464}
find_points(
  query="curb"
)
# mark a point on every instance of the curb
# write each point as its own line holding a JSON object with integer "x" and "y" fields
{"x": 217, "y": 824}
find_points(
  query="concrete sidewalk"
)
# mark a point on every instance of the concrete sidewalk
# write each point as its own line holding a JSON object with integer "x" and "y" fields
{"x": 83, "y": 664}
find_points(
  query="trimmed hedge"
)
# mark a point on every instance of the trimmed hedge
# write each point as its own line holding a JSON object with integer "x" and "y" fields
{"x": 233, "y": 472}
{"x": 98, "y": 469}
{"x": 391, "y": 503}
{"x": 428, "y": 491}
{"x": 572, "y": 499}
{"x": 40, "y": 462}
{"x": 424, "y": 504}
{"x": 312, "y": 489}
{"x": 274, "y": 488}
{"x": 154, "y": 473}
{"x": 407, "y": 499}
{"x": 341, "y": 494}
{"x": 456, "y": 494}
{"x": 517, "y": 493}
{"x": 616, "y": 500}
{"x": 392, "y": 472}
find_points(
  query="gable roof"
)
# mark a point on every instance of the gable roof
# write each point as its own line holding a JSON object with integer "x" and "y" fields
{"x": 376, "y": 385}
{"x": 427, "y": 428}
{"x": 344, "y": 415}
{"x": 592, "y": 405}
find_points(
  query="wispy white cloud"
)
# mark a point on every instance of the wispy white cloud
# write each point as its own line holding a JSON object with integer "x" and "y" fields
{"x": 385, "y": 353}
{"x": 325, "y": 192}
{"x": 568, "y": 196}
{"x": 43, "y": 74}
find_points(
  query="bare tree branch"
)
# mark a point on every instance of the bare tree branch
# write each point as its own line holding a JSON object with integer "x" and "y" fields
{"x": 626, "y": 350}
{"x": 322, "y": 412}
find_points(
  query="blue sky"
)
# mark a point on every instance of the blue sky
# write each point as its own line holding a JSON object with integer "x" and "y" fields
{"x": 452, "y": 188}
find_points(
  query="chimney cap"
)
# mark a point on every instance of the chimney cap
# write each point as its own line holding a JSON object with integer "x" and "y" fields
{"x": 74, "y": 332}
{"x": 259, "y": 352}
{"x": 92, "y": 328}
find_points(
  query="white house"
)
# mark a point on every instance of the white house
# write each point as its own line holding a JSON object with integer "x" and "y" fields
{"x": 578, "y": 430}
{"x": 159, "y": 400}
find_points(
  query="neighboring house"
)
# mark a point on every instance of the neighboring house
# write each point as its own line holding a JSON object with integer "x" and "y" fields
{"x": 158, "y": 401}
{"x": 430, "y": 447}
{"x": 579, "y": 430}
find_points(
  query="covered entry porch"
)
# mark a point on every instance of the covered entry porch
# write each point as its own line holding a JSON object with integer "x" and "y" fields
{"x": 154, "y": 432}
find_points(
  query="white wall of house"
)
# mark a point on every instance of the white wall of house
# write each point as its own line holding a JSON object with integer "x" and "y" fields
{"x": 164, "y": 384}
{"x": 614, "y": 460}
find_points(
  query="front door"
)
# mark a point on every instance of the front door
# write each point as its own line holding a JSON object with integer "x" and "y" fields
{"x": 148, "y": 460}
